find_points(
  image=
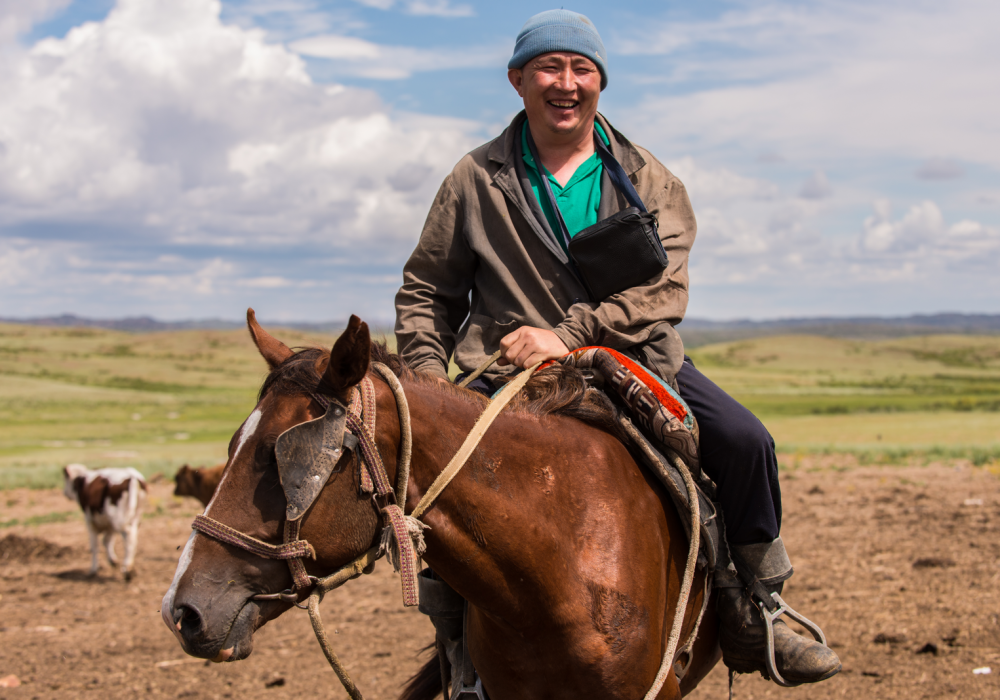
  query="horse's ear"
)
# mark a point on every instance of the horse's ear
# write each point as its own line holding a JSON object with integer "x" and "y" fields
{"x": 349, "y": 359}
{"x": 271, "y": 349}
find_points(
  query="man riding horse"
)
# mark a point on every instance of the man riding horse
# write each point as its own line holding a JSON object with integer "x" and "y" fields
{"x": 492, "y": 270}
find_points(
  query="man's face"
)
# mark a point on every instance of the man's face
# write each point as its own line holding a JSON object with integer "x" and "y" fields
{"x": 560, "y": 91}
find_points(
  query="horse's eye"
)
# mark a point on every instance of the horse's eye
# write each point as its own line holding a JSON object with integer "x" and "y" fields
{"x": 264, "y": 456}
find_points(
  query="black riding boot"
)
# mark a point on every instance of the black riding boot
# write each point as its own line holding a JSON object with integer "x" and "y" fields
{"x": 747, "y": 611}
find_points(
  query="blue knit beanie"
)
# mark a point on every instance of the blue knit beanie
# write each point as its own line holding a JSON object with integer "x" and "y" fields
{"x": 560, "y": 30}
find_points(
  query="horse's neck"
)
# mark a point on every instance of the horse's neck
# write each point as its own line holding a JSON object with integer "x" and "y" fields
{"x": 440, "y": 420}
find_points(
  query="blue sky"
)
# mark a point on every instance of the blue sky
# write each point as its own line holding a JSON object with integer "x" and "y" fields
{"x": 190, "y": 158}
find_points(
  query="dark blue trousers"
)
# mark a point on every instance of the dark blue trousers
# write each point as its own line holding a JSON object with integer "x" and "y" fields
{"x": 737, "y": 452}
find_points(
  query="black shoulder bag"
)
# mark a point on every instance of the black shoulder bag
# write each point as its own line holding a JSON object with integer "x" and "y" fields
{"x": 621, "y": 252}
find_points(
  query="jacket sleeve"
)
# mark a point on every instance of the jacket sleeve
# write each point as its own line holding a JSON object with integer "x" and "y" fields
{"x": 627, "y": 318}
{"x": 434, "y": 299}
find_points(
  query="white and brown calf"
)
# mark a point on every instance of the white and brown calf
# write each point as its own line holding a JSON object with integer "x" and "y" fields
{"x": 112, "y": 501}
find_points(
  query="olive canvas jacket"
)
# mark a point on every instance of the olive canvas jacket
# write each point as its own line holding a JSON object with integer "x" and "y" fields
{"x": 487, "y": 263}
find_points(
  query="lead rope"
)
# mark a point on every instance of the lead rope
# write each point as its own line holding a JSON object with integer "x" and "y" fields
{"x": 692, "y": 559}
{"x": 694, "y": 542}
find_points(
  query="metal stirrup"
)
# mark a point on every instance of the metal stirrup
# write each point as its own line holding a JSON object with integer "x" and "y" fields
{"x": 769, "y": 616}
{"x": 471, "y": 687}
{"x": 473, "y": 692}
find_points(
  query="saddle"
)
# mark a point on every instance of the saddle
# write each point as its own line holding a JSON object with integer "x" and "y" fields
{"x": 663, "y": 429}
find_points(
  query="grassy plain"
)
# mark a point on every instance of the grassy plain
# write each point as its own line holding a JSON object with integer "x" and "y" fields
{"x": 937, "y": 396}
{"x": 107, "y": 398}
{"x": 159, "y": 400}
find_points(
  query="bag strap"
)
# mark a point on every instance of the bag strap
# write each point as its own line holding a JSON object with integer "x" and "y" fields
{"x": 548, "y": 189}
{"x": 617, "y": 174}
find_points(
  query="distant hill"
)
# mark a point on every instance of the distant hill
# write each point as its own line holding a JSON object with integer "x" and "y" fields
{"x": 147, "y": 324}
{"x": 694, "y": 331}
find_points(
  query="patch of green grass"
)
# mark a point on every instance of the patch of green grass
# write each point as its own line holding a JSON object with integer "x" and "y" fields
{"x": 977, "y": 455}
{"x": 60, "y": 517}
{"x": 153, "y": 401}
{"x": 811, "y": 375}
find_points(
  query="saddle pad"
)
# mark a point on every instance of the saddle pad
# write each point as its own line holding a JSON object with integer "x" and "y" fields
{"x": 654, "y": 405}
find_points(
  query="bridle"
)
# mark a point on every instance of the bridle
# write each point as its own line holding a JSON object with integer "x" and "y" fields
{"x": 307, "y": 455}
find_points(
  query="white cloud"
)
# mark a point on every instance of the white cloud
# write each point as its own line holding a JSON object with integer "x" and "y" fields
{"x": 827, "y": 80}
{"x": 204, "y": 132}
{"x": 18, "y": 16}
{"x": 160, "y": 127}
{"x": 816, "y": 186}
{"x": 380, "y": 62}
{"x": 914, "y": 231}
{"x": 437, "y": 8}
{"x": 751, "y": 235}
{"x": 924, "y": 237}
{"x": 713, "y": 186}
{"x": 939, "y": 169}
{"x": 21, "y": 262}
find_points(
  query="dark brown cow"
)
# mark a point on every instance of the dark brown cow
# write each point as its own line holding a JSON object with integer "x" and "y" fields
{"x": 199, "y": 483}
{"x": 112, "y": 501}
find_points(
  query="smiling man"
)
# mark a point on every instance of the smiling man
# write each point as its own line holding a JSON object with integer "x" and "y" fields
{"x": 492, "y": 271}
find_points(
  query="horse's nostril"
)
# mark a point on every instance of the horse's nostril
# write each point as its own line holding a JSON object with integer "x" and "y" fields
{"x": 188, "y": 621}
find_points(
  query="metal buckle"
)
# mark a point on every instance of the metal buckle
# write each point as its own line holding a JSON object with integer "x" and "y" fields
{"x": 769, "y": 618}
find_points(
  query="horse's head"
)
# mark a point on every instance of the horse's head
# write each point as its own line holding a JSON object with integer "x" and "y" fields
{"x": 213, "y": 605}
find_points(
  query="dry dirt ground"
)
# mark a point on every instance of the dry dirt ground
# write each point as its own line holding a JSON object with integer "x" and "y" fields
{"x": 900, "y": 565}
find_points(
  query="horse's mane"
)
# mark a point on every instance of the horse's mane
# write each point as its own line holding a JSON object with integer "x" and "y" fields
{"x": 555, "y": 390}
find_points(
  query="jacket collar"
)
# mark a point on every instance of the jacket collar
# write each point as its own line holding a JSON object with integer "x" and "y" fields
{"x": 507, "y": 146}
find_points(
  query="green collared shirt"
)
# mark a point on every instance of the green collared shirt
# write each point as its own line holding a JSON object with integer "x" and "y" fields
{"x": 579, "y": 200}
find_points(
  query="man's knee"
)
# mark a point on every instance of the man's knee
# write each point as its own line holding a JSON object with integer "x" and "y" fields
{"x": 739, "y": 432}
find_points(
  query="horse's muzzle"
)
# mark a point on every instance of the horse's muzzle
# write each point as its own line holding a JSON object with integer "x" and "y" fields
{"x": 198, "y": 638}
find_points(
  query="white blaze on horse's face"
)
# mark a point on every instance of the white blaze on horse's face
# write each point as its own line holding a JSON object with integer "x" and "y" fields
{"x": 246, "y": 432}
{"x": 167, "y": 607}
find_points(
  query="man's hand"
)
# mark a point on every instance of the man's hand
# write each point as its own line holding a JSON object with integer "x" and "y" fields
{"x": 526, "y": 346}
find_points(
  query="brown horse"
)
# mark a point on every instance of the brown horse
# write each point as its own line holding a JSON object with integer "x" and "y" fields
{"x": 569, "y": 553}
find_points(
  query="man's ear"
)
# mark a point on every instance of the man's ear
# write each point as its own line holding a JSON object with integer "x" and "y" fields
{"x": 516, "y": 78}
{"x": 349, "y": 359}
{"x": 271, "y": 349}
